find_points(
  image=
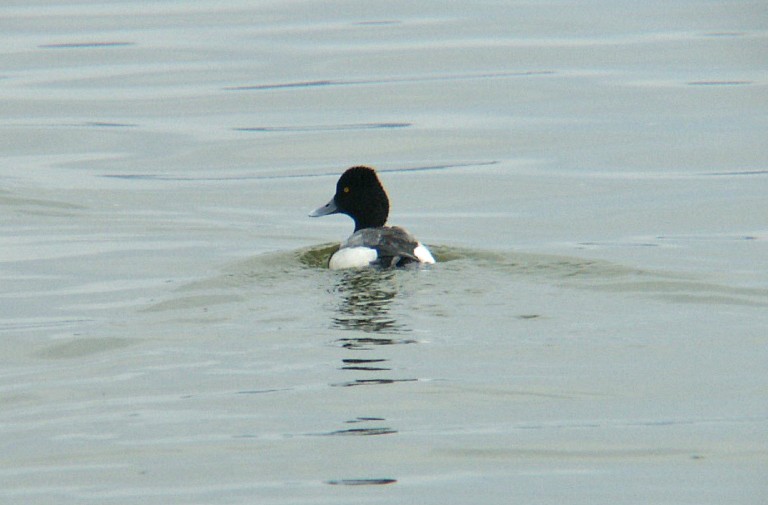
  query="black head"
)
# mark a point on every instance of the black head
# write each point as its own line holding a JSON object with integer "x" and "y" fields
{"x": 360, "y": 195}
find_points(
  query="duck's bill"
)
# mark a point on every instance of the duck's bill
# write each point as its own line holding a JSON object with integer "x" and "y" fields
{"x": 328, "y": 208}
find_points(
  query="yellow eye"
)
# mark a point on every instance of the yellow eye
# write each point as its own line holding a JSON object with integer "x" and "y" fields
{"x": 346, "y": 189}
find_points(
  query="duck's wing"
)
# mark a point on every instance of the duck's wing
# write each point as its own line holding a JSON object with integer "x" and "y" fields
{"x": 394, "y": 245}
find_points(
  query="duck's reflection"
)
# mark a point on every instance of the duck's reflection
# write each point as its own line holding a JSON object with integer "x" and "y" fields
{"x": 365, "y": 305}
{"x": 364, "y": 308}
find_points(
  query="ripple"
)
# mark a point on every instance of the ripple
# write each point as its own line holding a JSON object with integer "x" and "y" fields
{"x": 719, "y": 83}
{"x": 323, "y": 128}
{"x": 85, "y": 45}
{"x": 361, "y": 432}
{"x": 370, "y": 382}
{"x": 367, "y": 343}
{"x": 396, "y": 80}
{"x": 83, "y": 347}
{"x": 361, "y": 482}
{"x": 364, "y": 365}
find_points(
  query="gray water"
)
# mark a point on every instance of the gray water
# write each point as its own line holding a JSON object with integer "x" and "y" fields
{"x": 591, "y": 177}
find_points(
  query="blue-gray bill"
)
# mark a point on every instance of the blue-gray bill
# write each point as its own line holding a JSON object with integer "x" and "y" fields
{"x": 328, "y": 208}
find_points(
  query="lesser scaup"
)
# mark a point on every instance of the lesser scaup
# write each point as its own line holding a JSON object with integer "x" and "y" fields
{"x": 360, "y": 195}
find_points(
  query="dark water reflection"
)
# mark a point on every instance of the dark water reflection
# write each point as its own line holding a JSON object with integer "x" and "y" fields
{"x": 368, "y": 365}
{"x": 370, "y": 382}
{"x": 365, "y": 304}
{"x": 364, "y": 307}
{"x": 361, "y": 482}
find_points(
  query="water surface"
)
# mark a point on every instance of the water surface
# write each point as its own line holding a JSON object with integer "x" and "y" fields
{"x": 592, "y": 181}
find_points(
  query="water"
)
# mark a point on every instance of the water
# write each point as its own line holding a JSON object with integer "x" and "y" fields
{"x": 591, "y": 179}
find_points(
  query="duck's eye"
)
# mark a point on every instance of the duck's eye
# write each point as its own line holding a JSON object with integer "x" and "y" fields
{"x": 346, "y": 189}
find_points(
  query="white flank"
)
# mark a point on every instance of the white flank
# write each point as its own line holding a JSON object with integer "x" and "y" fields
{"x": 353, "y": 257}
{"x": 423, "y": 254}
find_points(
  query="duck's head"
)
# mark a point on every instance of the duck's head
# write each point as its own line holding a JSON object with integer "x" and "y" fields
{"x": 360, "y": 195}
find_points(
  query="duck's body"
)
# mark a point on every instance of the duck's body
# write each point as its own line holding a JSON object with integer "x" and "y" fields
{"x": 360, "y": 195}
{"x": 386, "y": 246}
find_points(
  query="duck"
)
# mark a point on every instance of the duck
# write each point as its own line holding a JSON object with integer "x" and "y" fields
{"x": 361, "y": 196}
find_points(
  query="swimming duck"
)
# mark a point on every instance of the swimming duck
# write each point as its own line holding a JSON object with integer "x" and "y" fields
{"x": 360, "y": 195}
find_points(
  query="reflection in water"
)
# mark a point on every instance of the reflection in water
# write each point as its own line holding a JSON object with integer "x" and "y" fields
{"x": 363, "y": 364}
{"x": 360, "y": 482}
{"x": 368, "y": 343}
{"x": 370, "y": 382}
{"x": 366, "y": 297}
{"x": 364, "y": 306}
{"x": 362, "y": 431}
